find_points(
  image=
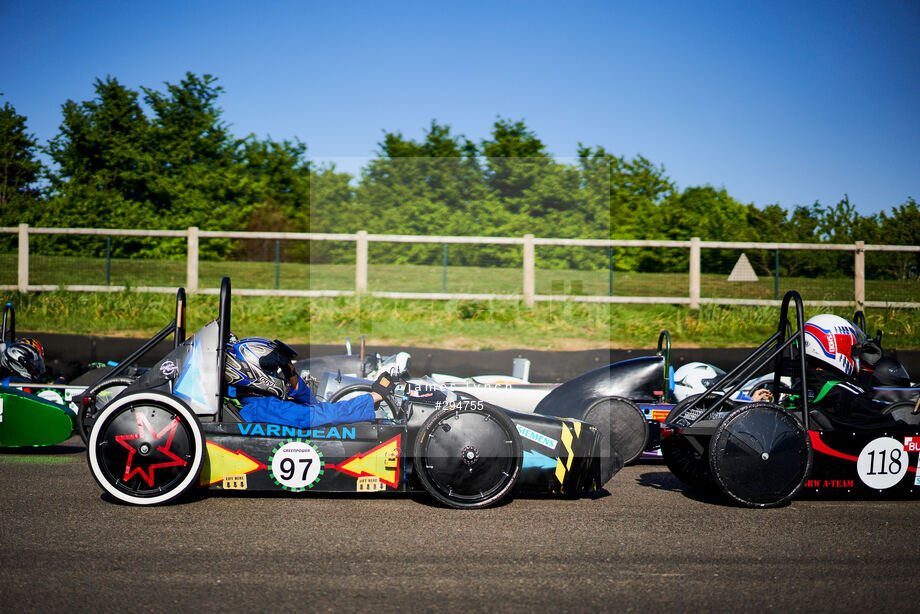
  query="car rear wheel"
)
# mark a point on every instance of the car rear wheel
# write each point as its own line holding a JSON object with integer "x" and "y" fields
{"x": 688, "y": 464}
{"x": 468, "y": 458}
{"x": 760, "y": 455}
{"x": 146, "y": 448}
{"x": 625, "y": 427}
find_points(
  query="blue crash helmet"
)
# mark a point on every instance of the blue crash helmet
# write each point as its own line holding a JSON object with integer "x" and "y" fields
{"x": 259, "y": 366}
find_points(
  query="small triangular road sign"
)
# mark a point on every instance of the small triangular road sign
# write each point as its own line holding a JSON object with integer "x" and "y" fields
{"x": 743, "y": 270}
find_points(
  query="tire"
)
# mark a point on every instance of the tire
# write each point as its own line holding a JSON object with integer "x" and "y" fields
{"x": 348, "y": 391}
{"x": 468, "y": 458}
{"x": 105, "y": 391}
{"x": 760, "y": 455}
{"x": 687, "y": 465}
{"x": 626, "y": 431}
{"x": 149, "y": 429}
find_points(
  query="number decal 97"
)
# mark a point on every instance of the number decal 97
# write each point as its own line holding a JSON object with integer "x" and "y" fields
{"x": 296, "y": 466}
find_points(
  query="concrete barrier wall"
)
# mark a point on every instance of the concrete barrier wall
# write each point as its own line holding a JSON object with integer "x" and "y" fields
{"x": 68, "y": 355}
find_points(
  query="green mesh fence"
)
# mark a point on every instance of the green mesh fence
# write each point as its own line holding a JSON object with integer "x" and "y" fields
{"x": 104, "y": 260}
{"x": 439, "y": 268}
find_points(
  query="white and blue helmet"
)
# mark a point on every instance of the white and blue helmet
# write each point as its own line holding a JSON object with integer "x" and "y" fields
{"x": 695, "y": 378}
{"x": 23, "y": 359}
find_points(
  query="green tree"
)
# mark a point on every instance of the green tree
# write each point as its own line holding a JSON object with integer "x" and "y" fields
{"x": 332, "y": 209}
{"x": 20, "y": 170}
{"x": 767, "y": 224}
{"x": 900, "y": 227}
{"x": 180, "y": 167}
{"x": 201, "y": 179}
{"x": 433, "y": 186}
{"x": 515, "y": 158}
{"x": 278, "y": 176}
{"x": 99, "y": 157}
{"x": 839, "y": 223}
{"x": 101, "y": 174}
{"x": 697, "y": 211}
{"x": 637, "y": 190}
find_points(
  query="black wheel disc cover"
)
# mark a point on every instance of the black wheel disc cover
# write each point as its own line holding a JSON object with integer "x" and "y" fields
{"x": 760, "y": 455}
{"x": 626, "y": 429}
{"x": 468, "y": 457}
{"x": 144, "y": 449}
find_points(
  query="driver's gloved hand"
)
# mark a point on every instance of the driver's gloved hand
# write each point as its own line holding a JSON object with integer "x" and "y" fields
{"x": 384, "y": 384}
{"x": 870, "y": 352}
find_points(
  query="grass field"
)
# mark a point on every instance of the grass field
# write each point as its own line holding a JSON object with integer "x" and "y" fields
{"x": 57, "y": 270}
{"x": 448, "y": 324}
{"x": 445, "y": 324}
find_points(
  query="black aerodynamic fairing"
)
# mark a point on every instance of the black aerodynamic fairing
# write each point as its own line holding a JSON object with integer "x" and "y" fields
{"x": 637, "y": 379}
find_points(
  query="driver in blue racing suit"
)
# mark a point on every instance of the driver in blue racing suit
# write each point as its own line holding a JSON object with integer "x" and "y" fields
{"x": 262, "y": 373}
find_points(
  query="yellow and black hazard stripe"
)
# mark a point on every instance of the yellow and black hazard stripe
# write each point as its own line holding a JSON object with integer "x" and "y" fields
{"x": 571, "y": 431}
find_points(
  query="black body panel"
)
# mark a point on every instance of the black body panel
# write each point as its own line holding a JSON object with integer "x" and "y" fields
{"x": 638, "y": 379}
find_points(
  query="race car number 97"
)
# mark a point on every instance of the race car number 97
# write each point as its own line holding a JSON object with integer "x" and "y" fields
{"x": 296, "y": 465}
{"x": 882, "y": 463}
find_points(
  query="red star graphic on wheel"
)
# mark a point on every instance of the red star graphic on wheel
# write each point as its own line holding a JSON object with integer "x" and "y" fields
{"x": 143, "y": 426}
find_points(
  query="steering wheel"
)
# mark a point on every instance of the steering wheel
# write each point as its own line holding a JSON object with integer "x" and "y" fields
{"x": 392, "y": 407}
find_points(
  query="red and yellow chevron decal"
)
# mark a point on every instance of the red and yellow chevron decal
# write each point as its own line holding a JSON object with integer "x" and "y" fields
{"x": 220, "y": 462}
{"x": 381, "y": 462}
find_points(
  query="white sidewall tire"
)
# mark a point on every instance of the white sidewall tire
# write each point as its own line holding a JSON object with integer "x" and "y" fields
{"x": 153, "y": 398}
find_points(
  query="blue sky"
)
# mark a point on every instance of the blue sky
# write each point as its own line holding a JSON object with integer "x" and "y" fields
{"x": 778, "y": 102}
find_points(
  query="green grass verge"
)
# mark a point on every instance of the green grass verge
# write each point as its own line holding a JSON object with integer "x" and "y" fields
{"x": 61, "y": 270}
{"x": 446, "y": 324}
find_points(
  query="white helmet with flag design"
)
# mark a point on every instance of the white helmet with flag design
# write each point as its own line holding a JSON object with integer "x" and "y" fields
{"x": 831, "y": 340}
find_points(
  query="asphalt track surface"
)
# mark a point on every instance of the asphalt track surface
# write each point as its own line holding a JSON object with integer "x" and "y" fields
{"x": 646, "y": 544}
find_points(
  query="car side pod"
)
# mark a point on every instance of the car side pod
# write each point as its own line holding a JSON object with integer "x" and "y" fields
{"x": 146, "y": 448}
{"x": 906, "y": 412}
{"x": 760, "y": 455}
{"x": 29, "y": 420}
{"x": 468, "y": 458}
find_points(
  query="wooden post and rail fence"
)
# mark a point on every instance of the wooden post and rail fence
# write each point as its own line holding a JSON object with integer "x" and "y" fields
{"x": 528, "y": 244}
